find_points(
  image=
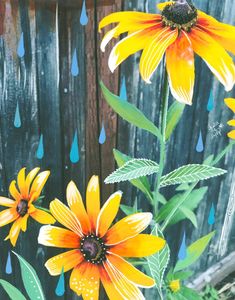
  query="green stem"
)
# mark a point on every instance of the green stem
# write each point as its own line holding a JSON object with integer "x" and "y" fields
{"x": 185, "y": 196}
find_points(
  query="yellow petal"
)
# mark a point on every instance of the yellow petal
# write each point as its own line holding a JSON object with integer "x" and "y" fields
{"x": 38, "y": 184}
{"x": 230, "y": 102}
{"x": 24, "y": 222}
{"x": 7, "y": 216}
{"x": 14, "y": 232}
{"x": 217, "y": 59}
{"x": 161, "y": 6}
{"x": 29, "y": 178}
{"x": 231, "y": 123}
{"x": 180, "y": 68}
{"x": 231, "y": 134}
{"x": 110, "y": 289}
{"x": 7, "y": 202}
{"x": 21, "y": 182}
{"x": 154, "y": 51}
{"x": 14, "y": 191}
{"x": 42, "y": 217}
{"x": 93, "y": 200}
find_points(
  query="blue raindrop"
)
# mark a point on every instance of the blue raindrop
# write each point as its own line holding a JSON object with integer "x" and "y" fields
{"x": 60, "y": 288}
{"x": 74, "y": 152}
{"x": 8, "y": 264}
{"x": 183, "y": 249}
{"x": 17, "y": 119}
{"x": 102, "y": 137}
{"x": 40, "y": 150}
{"x": 200, "y": 145}
{"x": 20, "y": 49}
{"x": 211, "y": 218}
{"x": 123, "y": 92}
{"x": 74, "y": 67}
{"x": 84, "y": 17}
{"x": 210, "y": 104}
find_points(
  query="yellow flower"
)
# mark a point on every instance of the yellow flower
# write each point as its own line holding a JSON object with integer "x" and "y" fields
{"x": 97, "y": 247}
{"x": 179, "y": 31}
{"x": 29, "y": 189}
{"x": 230, "y": 102}
{"x": 174, "y": 285}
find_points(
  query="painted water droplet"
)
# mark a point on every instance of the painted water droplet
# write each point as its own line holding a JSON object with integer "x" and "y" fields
{"x": 40, "y": 150}
{"x": 17, "y": 119}
{"x": 74, "y": 153}
{"x": 60, "y": 288}
{"x": 211, "y": 218}
{"x": 8, "y": 264}
{"x": 102, "y": 137}
{"x": 20, "y": 49}
{"x": 84, "y": 17}
{"x": 183, "y": 248}
{"x": 123, "y": 92}
{"x": 200, "y": 145}
{"x": 210, "y": 104}
{"x": 74, "y": 67}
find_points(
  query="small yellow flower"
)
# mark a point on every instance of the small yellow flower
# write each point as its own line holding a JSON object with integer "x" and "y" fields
{"x": 28, "y": 191}
{"x": 230, "y": 102}
{"x": 175, "y": 285}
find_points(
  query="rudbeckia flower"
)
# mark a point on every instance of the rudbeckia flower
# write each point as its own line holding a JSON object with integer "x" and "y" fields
{"x": 174, "y": 285}
{"x": 230, "y": 102}
{"x": 98, "y": 247}
{"x": 28, "y": 191}
{"x": 179, "y": 31}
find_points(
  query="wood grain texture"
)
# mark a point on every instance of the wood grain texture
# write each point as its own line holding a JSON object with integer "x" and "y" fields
{"x": 54, "y": 103}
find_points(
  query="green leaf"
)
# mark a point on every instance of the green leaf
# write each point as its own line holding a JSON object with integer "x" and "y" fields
{"x": 194, "y": 251}
{"x": 182, "y": 187}
{"x": 186, "y": 213}
{"x": 182, "y": 275}
{"x": 158, "y": 263}
{"x": 187, "y": 293}
{"x": 12, "y": 292}
{"x": 31, "y": 281}
{"x": 129, "y": 210}
{"x": 129, "y": 112}
{"x": 191, "y": 173}
{"x": 141, "y": 183}
{"x": 133, "y": 169}
{"x": 173, "y": 116}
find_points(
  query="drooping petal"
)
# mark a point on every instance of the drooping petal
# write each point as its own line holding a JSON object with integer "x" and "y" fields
{"x": 21, "y": 182}
{"x": 161, "y": 6}
{"x": 108, "y": 213}
{"x": 66, "y": 261}
{"x": 223, "y": 33}
{"x": 75, "y": 203}
{"x": 230, "y": 102}
{"x": 65, "y": 216}
{"x": 85, "y": 281}
{"x": 14, "y": 191}
{"x": 7, "y": 202}
{"x": 14, "y": 232}
{"x": 127, "y": 228}
{"x": 24, "y": 222}
{"x": 53, "y": 236}
{"x": 130, "y": 272}
{"x": 154, "y": 51}
{"x": 42, "y": 217}
{"x": 93, "y": 200}
{"x": 231, "y": 134}
{"x": 217, "y": 59}
{"x": 126, "y": 288}
{"x": 29, "y": 179}
{"x": 147, "y": 245}
{"x": 7, "y": 216}
{"x": 109, "y": 287}
{"x": 180, "y": 68}
{"x": 38, "y": 184}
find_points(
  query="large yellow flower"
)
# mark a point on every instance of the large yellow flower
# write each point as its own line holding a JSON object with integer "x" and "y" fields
{"x": 179, "y": 31}
{"x": 230, "y": 102}
{"x": 98, "y": 249}
{"x": 29, "y": 190}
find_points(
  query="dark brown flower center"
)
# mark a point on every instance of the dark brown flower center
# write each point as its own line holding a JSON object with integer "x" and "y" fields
{"x": 181, "y": 14}
{"x": 93, "y": 249}
{"x": 22, "y": 208}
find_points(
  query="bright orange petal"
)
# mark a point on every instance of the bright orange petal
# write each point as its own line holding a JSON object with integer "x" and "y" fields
{"x": 147, "y": 245}
{"x": 67, "y": 261}
{"x": 29, "y": 178}
{"x": 85, "y": 281}
{"x": 230, "y": 102}
{"x": 38, "y": 184}
{"x": 161, "y": 6}
{"x": 127, "y": 228}
{"x": 14, "y": 191}
{"x": 7, "y": 216}
{"x": 231, "y": 134}
{"x": 108, "y": 213}
{"x": 93, "y": 200}
{"x": 130, "y": 272}
{"x": 109, "y": 287}
{"x": 24, "y": 222}
{"x": 222, "y": 33}
{"x": 7, "y": 202}
{"x": 75, "y": 203}
{"x": 154, "y": 51}
{"x": 42, "y": 217}
{"x": 21, "y": 182}
{"x": 127, "y": 289}
{"x": 14, "y": 232}
{"x": 231, "y": 122}
{"x": 65, "y": 216}
{"x": 217, "y": 59}
{"x": 53, "y": 236}
{"x": 180, "y": 68}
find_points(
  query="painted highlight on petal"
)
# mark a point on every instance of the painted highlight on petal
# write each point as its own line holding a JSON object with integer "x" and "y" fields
{"x": 74, "y": 153}
{"x": 40, "y": 150}
{"x": 200, "y": 145}
{"x": 60, "y": 288}
{"x": 17, "y": 119}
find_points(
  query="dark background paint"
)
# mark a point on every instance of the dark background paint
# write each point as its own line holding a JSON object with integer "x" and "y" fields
{"x": 55, "y": 104}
